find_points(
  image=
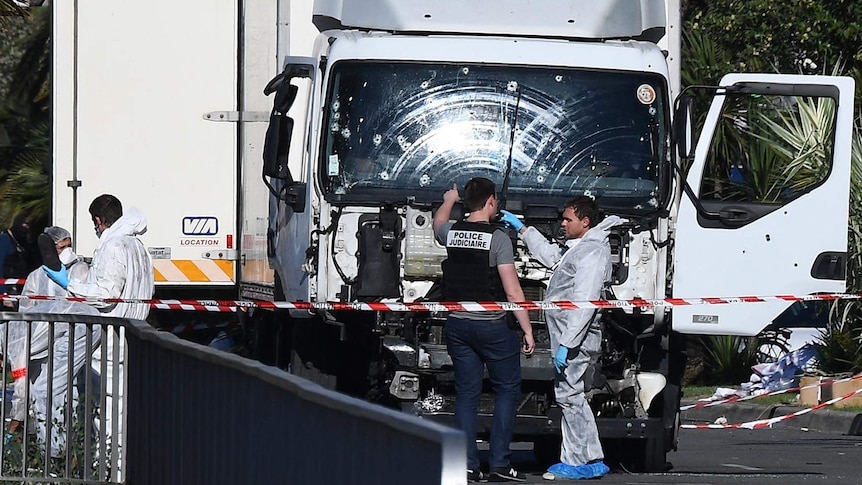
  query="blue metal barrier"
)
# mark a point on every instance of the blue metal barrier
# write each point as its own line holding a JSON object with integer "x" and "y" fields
{"x": 198, "y": 415}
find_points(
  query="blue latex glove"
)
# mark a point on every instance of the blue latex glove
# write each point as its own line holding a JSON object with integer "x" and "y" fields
{"x": 560, "y": 358}
{"x": 511, "y": 220}
{"x": 60, "y": 277}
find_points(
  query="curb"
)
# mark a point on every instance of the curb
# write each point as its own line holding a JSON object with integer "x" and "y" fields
{"x": 822, "y": 420}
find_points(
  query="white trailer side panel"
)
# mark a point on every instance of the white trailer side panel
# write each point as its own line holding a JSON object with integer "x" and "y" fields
{"x": 132, "y": 81}
{"x": 272, "y": 31}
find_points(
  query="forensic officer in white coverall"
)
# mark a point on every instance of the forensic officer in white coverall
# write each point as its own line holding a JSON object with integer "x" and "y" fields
{"x": 32, "y": 364}
{"x": 121, "y": 268}
{"x": 29, "y": 364}
{"x": 38, "y": 282}
{"x": 581, "y": 269}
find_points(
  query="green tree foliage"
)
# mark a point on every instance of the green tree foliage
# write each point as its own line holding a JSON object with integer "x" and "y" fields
{"x": 787, "y": 36}
{"x": 838, "y": 345}
{"x": 15, "y": 24}
{"x": 9, "y": 11}
{"x": 25, "y": 157}
{"x": 28, "y": 93}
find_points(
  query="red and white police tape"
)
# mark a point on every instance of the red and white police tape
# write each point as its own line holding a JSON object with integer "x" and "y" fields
{"x": 443, "y": 306}
{"x": 478, "y": 306}
{"x": 767, "y": 423}
{"x": 12, "y": 281}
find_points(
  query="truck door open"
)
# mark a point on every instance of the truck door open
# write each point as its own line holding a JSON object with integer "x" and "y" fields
{"x": 771, "y": 173}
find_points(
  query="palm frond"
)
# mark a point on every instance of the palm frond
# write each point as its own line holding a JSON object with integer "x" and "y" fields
{"x": 26, "y": 183}
{"x": 10, "y": 10}
{"x": 27, "y": 186}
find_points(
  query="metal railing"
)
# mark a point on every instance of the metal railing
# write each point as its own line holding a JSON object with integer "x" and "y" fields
{"x": 186, "y": 413}
{"x": 59, "y": 414}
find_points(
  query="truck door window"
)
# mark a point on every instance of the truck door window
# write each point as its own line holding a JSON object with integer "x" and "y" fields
{"x": 769, "y": 149}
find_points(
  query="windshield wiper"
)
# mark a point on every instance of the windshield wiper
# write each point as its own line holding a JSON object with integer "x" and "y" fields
{"x": 505, "y": 190}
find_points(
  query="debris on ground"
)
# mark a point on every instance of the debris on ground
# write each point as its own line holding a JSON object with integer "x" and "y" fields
{"x": 772, "y": 376}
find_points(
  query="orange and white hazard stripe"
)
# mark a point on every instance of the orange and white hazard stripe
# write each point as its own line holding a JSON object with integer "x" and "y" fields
{"x": 193, "y": 270}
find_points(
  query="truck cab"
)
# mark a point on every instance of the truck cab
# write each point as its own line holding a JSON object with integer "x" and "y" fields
{"x": 405, "y": 100}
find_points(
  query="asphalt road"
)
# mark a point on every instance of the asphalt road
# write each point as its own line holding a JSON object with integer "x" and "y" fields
{"x": 741, "y": 457}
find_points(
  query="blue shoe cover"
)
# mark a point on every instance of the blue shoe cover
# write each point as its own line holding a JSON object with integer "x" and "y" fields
{"x": 559, "y": 468}
{"x": 580, "y": 472}
{"x": 596, "y": 470}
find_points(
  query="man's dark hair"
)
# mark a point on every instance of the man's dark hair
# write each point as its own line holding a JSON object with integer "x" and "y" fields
{"x": 585, "y": 206}
{"x": 20, "y": 229}
{"x": 476, "y": 193}
{"x": 107, "y": 208}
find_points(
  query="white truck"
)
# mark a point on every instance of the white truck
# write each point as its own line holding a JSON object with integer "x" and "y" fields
{"x": 549, "y": 101}
{"x": 373, "y": 117}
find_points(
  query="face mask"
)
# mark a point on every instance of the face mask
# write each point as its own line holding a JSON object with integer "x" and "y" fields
{"x": 67, "y": 256}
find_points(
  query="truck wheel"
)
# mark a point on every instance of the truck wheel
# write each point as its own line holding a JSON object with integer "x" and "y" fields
{"x": 261, "y": 335}
{"x": 648, "y": 456}
{"x": 654, "y": 456}
{"x": 637, "y": 455}
{"x": 309, "y": 371}
{"x": 546, "y": 449}
{"x": 310, "y": 352}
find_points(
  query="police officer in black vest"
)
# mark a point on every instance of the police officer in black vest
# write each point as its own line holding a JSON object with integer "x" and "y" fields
{"x": 481, "y": 267}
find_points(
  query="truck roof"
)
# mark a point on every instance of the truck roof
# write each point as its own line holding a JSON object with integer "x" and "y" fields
{"x": 568, "y": 19}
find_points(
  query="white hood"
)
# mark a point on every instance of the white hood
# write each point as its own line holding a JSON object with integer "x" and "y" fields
{"x": 132, "y": 223}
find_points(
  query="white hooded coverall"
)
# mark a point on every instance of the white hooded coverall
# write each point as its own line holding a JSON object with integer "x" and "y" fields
{"x": 121, "y": 268}
{"x": 35, "y": 366}
{"x": 579, "y": 274}
{"x": 32, "y": 365}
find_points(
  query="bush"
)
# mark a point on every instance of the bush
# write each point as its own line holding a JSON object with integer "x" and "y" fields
{"x": 838, "y": 345}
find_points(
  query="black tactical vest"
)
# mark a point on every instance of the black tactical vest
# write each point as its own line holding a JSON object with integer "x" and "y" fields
{"x": 467, "y": 275}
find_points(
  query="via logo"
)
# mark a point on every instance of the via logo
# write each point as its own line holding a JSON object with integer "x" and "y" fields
{"x": 200, "y": 226}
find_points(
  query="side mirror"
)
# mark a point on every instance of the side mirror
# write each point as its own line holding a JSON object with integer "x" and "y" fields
{"x": 276, "y": 145}
{"x": 683, "y": 126}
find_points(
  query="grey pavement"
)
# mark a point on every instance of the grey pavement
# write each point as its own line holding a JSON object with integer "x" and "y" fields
{"x": 821, "y": 446}
{"x": 782, "y": 456}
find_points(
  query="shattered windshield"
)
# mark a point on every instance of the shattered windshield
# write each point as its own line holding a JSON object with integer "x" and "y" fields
{"x": 400, "y": 132}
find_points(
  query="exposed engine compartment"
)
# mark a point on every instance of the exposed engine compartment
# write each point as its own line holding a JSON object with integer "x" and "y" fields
{"x": 390, "y": 254}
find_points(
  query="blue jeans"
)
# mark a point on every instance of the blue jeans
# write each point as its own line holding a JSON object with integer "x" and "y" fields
{"x": 473, "y": 345}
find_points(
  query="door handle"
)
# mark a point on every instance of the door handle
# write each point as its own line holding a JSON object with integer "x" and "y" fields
{"x": 734, "y": 215}
{"x": 830, "y": 265}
